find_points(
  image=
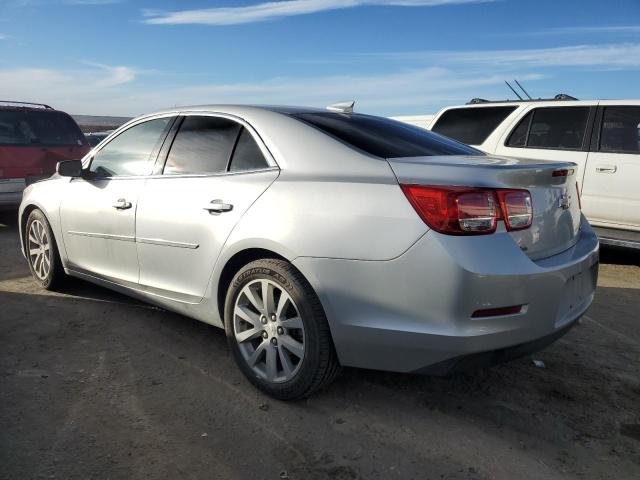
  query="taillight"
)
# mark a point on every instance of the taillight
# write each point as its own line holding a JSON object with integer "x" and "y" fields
{"x": 578, "y": 193}
{"x": 468, "y": 210}
{"x": 477, "y": 211}
{"x": 516, "y": 208}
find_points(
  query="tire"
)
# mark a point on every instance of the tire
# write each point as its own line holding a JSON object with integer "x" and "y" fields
{"x": 44, "y": 262}
{"x": 285, "y": 349}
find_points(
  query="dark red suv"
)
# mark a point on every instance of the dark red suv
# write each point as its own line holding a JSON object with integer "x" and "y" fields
{"x": 33, "y": 138}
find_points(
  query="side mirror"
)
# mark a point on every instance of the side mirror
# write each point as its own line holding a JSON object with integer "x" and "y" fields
{"x": 69, "y": 168}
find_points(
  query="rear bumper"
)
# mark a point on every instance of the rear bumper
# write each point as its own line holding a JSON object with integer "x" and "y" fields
{"x": 11, "y": 193}
{"x": 474, "y": 361}
{"x": 414, "y": 312}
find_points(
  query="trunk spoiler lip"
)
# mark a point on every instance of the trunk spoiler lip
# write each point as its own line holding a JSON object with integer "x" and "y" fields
{"x": 485, "y": 161}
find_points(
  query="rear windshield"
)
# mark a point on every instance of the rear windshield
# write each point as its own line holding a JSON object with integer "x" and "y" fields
{"x": 471, "y": 125}
{"x": 383, "y": 137}
{"x": 38, "y": 128}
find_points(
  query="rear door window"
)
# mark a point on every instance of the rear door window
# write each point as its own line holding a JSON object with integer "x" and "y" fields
{"x": 39, "y": 129}
{"x": 558, "y": 128}
{"x": 203, "y": 145}
{"x": 247, "y": 154}
{"x": 620, "y": 130}
{"x": 383, "y": 137}
{"x": 471, "y": 125}
{"x": 131, "y": 153}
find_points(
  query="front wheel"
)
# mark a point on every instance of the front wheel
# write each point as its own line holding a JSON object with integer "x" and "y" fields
{"x": 277, "y": 330}
{"x": 42, "y": 252}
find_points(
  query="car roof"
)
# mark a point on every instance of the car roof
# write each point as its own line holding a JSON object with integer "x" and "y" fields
{"x": 239, "y": 109}
{"x": 18, "y": 105}
{"x": 285, "y": 137}
{"x": 541, "y": 103}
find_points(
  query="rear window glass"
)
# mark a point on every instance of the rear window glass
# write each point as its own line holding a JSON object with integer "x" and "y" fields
{"x": 383, "y": 137}
{"x": 38, "y": 128}
{"x": 471, "y": 125}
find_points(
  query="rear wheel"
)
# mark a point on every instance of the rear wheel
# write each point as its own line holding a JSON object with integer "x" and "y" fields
{"x": 42, "y": 252}
{"x": 277, "y": 330}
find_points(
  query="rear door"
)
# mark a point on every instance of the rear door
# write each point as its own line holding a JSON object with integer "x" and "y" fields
{"x": 557, "y": 133}
{"x": 215, "y": 169}
{"x": 98, "y": 211}
{"x": 611, "y": 191}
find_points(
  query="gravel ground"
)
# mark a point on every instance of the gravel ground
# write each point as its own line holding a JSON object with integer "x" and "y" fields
{"x": 95, "y": 385}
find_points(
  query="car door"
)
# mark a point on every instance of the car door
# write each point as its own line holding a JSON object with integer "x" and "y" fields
{"x": 215, "y": 169}
{"x": 557, "y": 133}
{"x": 610, "y": 191}
{"x": 98, "y": 209}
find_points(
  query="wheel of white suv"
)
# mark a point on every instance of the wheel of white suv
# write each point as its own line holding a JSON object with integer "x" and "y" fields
{"x": 42, "y": 251}
{"x": 277, "y": 330}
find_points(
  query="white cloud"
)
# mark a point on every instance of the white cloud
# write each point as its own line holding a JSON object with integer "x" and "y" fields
{"x": 612, "y": 56}
{"x": 85, "y": 92}
{"x": 612, "y": 29}
{"x": 114, "y": 75}
{"x": 277, "y": 9}
{"x": 444, "y": 78}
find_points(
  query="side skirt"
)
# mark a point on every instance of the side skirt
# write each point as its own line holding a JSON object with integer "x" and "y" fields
{"x": 193, "y": 308}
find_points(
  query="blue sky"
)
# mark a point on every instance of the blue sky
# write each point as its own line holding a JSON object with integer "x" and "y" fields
{"x": 126, "y": 57}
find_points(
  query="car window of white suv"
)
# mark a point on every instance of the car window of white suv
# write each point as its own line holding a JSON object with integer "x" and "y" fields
{"x": 620, "y": 130}
{"x": 471, "y": 125}
{"x": 558, "y": 128}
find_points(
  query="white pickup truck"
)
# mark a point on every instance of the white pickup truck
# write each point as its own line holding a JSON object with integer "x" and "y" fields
{"x": 601, "y": 136}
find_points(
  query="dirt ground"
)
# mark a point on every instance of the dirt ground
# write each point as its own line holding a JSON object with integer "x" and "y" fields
{"x": 94, "y": 385}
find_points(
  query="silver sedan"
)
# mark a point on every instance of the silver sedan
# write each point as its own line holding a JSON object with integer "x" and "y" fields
{"x": 321, "y": 238}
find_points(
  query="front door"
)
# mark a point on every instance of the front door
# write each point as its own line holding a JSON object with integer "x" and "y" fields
{"x": 98, "y": 227}
{"x": 98, "y": 210}
{"x": 214, "y": 171}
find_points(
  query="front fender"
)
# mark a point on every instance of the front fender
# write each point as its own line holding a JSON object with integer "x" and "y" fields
{"x": 45, "y": 196}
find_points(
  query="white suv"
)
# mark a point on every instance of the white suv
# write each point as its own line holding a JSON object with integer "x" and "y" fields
{"x": 601, "y": 136}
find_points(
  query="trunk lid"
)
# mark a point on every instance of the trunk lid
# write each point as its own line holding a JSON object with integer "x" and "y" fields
{"x": 556, "y": 211}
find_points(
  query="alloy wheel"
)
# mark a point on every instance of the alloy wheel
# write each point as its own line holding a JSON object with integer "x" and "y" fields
{"x": 269, "y": 330}
{"x": 39, "y": 249}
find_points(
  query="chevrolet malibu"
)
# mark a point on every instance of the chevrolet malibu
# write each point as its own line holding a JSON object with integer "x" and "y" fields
{"x": 321, "y": 238}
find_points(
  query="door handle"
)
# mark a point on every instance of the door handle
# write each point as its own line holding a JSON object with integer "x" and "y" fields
{"x": 218, "y": 206}
{"x": 607, "y": 169}
{"x": 121, "y": 204}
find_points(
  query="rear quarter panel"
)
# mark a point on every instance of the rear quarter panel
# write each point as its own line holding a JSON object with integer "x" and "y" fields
{"x": 332, "y": 217}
